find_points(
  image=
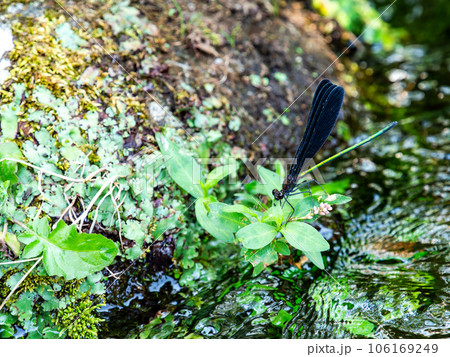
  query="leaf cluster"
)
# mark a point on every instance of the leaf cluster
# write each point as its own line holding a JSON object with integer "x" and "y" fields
{"x": 262, "y": 229}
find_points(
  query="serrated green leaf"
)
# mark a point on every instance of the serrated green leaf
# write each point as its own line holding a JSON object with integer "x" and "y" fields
{"x": 10, "y": 150}
{"x": 14, "y": 279}
{"x": 181, "y": 166}
{"x": 132, "y": 230}
{"x": 8, "y": 169}
{"x": 6, "y": 331}
{"x": 8, "y": 172}
{"x": 22, "y": 308}
{"x": 270, "y": 180}
{"x": 256, "y": 235}
{"x": 304, "y": 237}
{"x": 70, "y": 254}
{"x": 316, "y": 258}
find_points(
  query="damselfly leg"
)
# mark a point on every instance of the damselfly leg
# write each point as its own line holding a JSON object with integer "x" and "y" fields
{"x": 295, "y": 194}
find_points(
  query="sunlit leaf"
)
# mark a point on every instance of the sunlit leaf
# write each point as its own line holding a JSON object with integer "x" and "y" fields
{"x": 316, "y": 258}
{"x": 304, "y": 237}
{"x": 256, "y": 235}
{"x": 71, "y": 254}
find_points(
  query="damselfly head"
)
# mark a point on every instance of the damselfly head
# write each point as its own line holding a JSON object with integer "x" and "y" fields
{"x": 278, "y": 195}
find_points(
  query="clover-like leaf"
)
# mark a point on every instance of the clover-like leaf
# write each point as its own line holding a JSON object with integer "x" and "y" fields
{"x": 304, "y": 237}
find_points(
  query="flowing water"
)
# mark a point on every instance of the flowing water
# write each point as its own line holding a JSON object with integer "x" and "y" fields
{"x": 389, "y": 266}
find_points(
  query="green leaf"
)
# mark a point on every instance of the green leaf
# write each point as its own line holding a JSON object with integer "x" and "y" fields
{"x": 133, "y": 230}
{"x": 337, "y": 199}
{"x": 258, "y": 269}
{"x": 219, "y": 173}
{"x": 281, "y": 319}
{"x": 220, "y": 224}
{"x": 32, "y": 250}
{"x": 316, "y": 258}
{"x": 163, "y": 225}
{"x": 304, "y": 237}
{"x": 256, "y": 235}
{"x": 255, "y": 188}
{"x": 275, "y": 214}
{"x": 282, "y": 248}
{"x": 9, "y": 120}
{"x": 338, "y": 186}
{"x": 270, "y": 180}
{"x": 181, "y": 166}
{"x": 238, "y": 208}
{"x": 8, "y": 169}
{"x": 23, "y": 307}
{"x": 13, "y": 243}
{"x": 10, "y": 150}
{"x": 266, "y": 256}
{"x": 68, "y": 253}
{"x": 250, "y": 200}
{"x": 303, "y": 205}
{"x": 8, "y": 172}
{"x": 360, "y": 326}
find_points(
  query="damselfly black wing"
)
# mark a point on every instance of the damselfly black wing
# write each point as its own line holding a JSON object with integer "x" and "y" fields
{"x": 325, "y": 109}
{"x": 327, "y": 103}
{"x": 319, "y": 94}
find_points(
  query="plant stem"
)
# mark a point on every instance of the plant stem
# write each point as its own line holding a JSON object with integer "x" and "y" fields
{"x": 180, "y": 12}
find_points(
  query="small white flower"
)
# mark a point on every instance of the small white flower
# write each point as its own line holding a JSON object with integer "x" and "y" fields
{"x": 308, "y": 216}
{"x": 330, "y": 198}
{"x": 322, "y": 209}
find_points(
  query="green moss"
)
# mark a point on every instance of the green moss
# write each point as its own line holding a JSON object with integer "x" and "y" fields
{"x": 79, "y": 319}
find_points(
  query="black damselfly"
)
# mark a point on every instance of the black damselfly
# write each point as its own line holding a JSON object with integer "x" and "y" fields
{"x": 326, "y": 105}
